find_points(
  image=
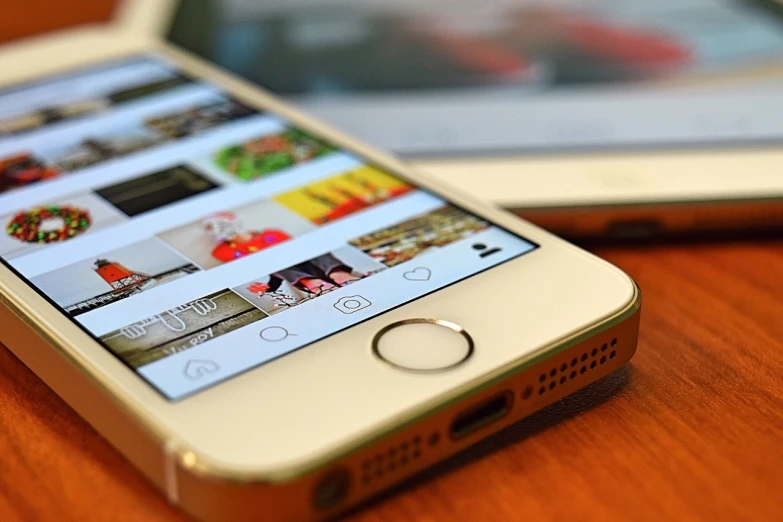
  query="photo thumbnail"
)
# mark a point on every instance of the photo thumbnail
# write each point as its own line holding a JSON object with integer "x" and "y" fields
{"x": 40, "y": 118}
{"x": 93, "y": 102}
{"x": 305, "y": 281}
{"x": 224, "y": 236}
{"x": 181, "y": 328}
{"x": 263, "y": 156}
{"x": 35, "y": 228}
{"x": 155, "y": 190}
{"x": 404, "y": 241}
{"x": 339, "y": 196}
{"x": 200, "y": 118}
{"x": 24, "y": 169}
{"x": 164, "y": 82}
{"x": 113, "y": 276}
{"x": 92, "y": 150}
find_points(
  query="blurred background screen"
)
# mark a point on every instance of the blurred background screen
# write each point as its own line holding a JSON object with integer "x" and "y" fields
{"x": 443, "y": 77}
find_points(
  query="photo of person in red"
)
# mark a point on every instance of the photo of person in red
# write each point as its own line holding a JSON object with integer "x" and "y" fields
{"x": 223, "y": 235}
{"x": 233, "y": 241}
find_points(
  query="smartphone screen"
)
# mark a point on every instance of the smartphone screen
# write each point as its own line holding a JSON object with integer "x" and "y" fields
{"x": 196, "y": 236}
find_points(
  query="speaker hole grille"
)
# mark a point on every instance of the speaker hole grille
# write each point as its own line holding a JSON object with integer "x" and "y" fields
{"x": 396, "y": 457}
{"x": 565, "y": 372}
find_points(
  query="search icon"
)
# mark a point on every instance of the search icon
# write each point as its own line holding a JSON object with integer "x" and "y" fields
{"x": 275, "y": 334}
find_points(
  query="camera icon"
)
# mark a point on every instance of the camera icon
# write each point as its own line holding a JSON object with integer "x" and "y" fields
{"x": 351, "y": 303}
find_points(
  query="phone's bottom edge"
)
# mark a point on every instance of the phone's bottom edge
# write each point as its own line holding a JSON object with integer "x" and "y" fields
{"x": 365, "y": 473}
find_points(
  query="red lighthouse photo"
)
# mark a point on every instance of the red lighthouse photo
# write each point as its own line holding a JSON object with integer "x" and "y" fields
{"x": 118, "y": 277}
{"x": 105, "y": 279}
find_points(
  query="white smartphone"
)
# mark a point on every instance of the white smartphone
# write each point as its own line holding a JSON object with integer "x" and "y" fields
{"x": 268, "y": 318}
{"x": 591, "y": 117}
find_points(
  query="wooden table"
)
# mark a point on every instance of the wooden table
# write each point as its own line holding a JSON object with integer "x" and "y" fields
{"x": 692, "y": 429}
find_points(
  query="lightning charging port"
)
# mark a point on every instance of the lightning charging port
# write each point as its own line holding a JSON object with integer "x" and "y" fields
{"x": 481, "y": 415}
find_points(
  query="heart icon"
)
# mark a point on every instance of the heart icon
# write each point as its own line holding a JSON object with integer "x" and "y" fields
{"x": 418, "y": 274}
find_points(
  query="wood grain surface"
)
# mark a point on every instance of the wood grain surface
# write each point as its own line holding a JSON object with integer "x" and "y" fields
{"x": 21, "y": 18}
{"x": 692, "y": 429}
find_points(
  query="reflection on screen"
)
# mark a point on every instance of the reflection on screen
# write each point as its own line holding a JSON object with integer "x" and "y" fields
{"x": 196, "y": 236}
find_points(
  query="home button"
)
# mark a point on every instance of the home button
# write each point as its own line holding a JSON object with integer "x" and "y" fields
{"x": 423, "y": 345}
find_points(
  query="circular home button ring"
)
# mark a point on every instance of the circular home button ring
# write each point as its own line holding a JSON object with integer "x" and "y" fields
{"x": 423, "y": 345}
